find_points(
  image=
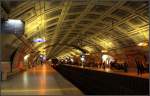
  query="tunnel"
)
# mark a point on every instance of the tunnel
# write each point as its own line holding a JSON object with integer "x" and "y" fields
{"x": 74, "y": 47}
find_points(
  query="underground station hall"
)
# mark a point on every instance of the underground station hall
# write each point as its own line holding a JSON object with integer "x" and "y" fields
{"x": 74, "y": 47}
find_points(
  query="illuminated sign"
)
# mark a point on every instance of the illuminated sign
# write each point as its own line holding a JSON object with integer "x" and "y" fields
{"x": 12, "y": 26}
{"x": 39, "y": 40}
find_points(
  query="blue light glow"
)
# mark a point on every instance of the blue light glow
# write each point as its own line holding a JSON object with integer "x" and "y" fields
{"x": 39, "y": 40}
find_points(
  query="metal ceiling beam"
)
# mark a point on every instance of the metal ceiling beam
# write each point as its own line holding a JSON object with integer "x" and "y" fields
{"x": 84, "y": 13}
{"x": 117, "y": 5}
{"x": 89, "y": 43}
{"x": 58, "y": 49}
{"x": 64, "y": 12}
{"x": 68, "y": 45}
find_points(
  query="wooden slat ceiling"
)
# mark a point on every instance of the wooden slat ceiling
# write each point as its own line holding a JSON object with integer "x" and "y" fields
{"x": 103, "y": 24}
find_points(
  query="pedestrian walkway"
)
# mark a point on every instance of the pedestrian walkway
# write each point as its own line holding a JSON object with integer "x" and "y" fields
{"x": 41, "y": 80}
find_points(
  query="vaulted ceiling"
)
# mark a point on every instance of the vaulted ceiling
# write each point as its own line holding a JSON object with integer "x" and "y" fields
{"x": 92, "y": 25}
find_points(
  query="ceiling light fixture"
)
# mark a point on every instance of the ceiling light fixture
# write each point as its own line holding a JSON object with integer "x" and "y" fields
{"x": 39, "y": 40}
{"x": 104, "y": 51}
{"x": 14, "y": 21}
{"x": 142, "y": 44}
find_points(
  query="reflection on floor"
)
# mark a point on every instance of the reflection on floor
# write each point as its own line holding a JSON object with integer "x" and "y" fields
{"x": 41, "y": 80}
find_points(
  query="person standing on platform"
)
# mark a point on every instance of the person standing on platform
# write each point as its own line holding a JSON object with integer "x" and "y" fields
{"x": 100, "y": 64}
{"x": 125, "y": 67}
{"x": 139, "y": 67}
{"x": 103, "y": 65}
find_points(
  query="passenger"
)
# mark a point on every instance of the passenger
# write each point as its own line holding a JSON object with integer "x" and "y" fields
{"x": 111, "y": 64}
{"x": 121, "y": 66}
{"x": 100, "y": 64}
{"x": 41, "y": 62}
{"x": 139, "y": 67}
{"x": 144, "y": 67}
{"x": 103, "y": 65}
{"x": 125, "y": 67}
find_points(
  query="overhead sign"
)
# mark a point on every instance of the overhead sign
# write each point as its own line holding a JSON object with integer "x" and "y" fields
{"x": 12, "y": 26}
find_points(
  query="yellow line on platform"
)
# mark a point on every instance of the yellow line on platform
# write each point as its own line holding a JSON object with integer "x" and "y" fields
{"x": 28, "y": 90}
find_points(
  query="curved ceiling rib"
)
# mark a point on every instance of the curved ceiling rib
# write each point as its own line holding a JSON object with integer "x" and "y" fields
{"x": 95, "y": 21}
{"x": 66, "y": 21}
{"x": 68, "y": 45}
{"x": 86, "y": 10}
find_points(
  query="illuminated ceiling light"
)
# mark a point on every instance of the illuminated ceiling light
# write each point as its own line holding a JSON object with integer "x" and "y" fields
{"x": 87, "y": 53}
{"x": 89, "y": 49}
{"x": 72, "y": 60}
{"x": 143, "y": 44}
{"x": 26, "y": 57}
{"x": 39, "y": 40}
{"x": 109, "y": 43}
{"x": 104, "y": 51}
{"x": 13, "y": 21}
{"x": 82, "y": 59}
{"x": 104, "y": 57}
{"x": 44, "y": 58}
{"x": 41, "y": 55}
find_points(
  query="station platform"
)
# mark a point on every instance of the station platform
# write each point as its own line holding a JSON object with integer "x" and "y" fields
{"x": 41, "y": 80}
{"x": 97, "y": 81}
{"x": 131, "y": 72}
